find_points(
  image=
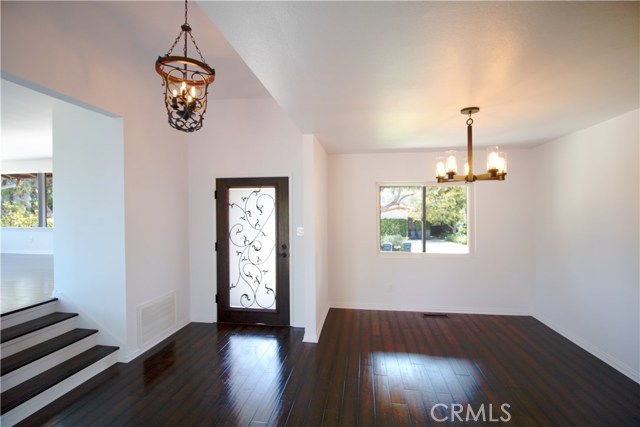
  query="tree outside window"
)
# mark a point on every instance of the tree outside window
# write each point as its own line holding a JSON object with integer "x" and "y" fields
{"x": 424, "y": 219}
{"x": 20, "y": 200}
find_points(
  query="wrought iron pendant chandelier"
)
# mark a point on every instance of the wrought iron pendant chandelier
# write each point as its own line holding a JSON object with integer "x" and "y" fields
{"x": 447, "y": 166}
{"x": 186, "y": 82}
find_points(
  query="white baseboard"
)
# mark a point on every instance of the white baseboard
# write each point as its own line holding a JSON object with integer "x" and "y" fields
{"x": 320, "y": 324}
{"x": 128, "y": 358}
{"x": 26, "y": 252}
{"x": 310, "y": 338}
{"x": 610, "y": 360}
{"x": 432, "y": 309}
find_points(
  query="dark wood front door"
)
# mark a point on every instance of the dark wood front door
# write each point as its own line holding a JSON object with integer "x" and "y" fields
{"x": 252, "y": 229}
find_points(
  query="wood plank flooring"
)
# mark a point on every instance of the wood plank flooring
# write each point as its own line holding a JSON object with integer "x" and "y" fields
{"x": 24, "y": 280}
{"x": 371, "y": 368}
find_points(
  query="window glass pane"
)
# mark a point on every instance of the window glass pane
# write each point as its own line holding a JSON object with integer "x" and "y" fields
{"x": 19, "y": 201}
{"x": 49, "y": 189}
{"x": 400, "y": 219}
{"x": 446, "y": 219}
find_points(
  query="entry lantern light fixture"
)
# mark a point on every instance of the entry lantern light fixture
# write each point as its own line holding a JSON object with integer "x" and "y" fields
{"x": 186, "y": 82}
{"x": 447, "y": 165}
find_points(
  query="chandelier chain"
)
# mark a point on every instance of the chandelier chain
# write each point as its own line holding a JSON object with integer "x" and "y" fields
{"x": 185, "y": 32}
{"x": 197, "y": 48}
{"x": 175, "y": 42}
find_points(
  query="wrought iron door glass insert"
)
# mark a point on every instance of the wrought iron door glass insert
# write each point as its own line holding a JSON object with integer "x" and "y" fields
{"x": 252, "y": 244}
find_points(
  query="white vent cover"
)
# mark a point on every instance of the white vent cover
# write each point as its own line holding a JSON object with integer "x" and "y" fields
{"x": 156, "y": 317}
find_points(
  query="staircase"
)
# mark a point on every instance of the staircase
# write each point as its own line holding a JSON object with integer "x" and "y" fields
{"x": 45, "y": 356}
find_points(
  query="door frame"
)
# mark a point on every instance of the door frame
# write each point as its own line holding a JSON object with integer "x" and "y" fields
{"x": 281, "y": 315}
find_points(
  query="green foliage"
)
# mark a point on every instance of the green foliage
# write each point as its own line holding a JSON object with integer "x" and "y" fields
{"x": 20, "y": 201}
{"x": 446, "y": 205}
{"x": 14, "y": 215}
{"x": 390, "y": 227}
{"x": 446, "y": 213}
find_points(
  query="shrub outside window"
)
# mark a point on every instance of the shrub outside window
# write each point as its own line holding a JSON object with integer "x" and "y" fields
{"x": 424, "y": 219}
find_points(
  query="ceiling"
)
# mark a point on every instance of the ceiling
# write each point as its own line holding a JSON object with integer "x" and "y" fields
{"x": 26, "y": 123}
{"x": 136, "y": 33}
{"x": 382, "y": 76}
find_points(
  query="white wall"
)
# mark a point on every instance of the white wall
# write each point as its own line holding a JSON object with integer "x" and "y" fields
{"x": 586, "y": 283}
{"x": 315, "y": 237}
{"x": 27, "y": 240}
{"x": 495, "y": 279}
{"x": 241, "y": 138}
{"x": 89, "y": 262}
{"x": 83, "y": 52}
{"x": 27, "y": 165}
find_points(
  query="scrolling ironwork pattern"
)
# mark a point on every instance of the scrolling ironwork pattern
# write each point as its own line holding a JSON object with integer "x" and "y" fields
{"x": 252, "y": 244}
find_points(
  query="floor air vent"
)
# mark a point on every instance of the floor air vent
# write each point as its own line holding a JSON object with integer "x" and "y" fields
{"x": 436, "y": 315}
{"x": 156, "y": 317}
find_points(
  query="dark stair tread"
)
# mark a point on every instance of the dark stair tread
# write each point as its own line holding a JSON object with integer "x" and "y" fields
{"x": 50, "y": 300}
{"x": 33, "y": 325}
{"x": 23, "y": 358}
{"x": 20, "y": 394}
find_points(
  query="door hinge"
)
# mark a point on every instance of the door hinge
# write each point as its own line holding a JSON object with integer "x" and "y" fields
{"x": 216, "y": 245}
{"x": 215, "y": 194}
{"x": 216, "y": 298}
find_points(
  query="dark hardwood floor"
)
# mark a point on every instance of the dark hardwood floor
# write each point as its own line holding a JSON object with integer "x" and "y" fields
{"x": 370, "y": 368}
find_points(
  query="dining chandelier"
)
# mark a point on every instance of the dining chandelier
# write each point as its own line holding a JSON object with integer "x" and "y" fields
{"x": 447, "y": 166}
{"x": 186, "y": 82}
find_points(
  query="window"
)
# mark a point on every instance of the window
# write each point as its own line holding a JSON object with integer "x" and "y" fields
{"x": 22, "y": 195}
{"x": 424, "y": 219}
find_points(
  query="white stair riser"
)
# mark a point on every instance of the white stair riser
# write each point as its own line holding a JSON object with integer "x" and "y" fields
{"x": 43, "y": 399}
{"x": 37, "y": 367}
{"x": 37, "y": 337}
{"x": 10, "y": 320}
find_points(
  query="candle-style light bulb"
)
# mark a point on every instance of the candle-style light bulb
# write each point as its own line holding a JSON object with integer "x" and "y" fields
{"x": 452, "y": 164}
{"x": 493, "y": 154}
{"x": 466, "y": 168}
{"x": 440, "y": 170}
{"x": 183, "y": 87}
{"x": 193, "y": 91}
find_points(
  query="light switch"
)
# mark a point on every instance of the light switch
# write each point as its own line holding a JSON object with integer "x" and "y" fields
{"x": 300, "y": 231}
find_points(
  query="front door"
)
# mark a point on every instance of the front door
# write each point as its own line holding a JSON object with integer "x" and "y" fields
{"x": 252, "y": 228}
